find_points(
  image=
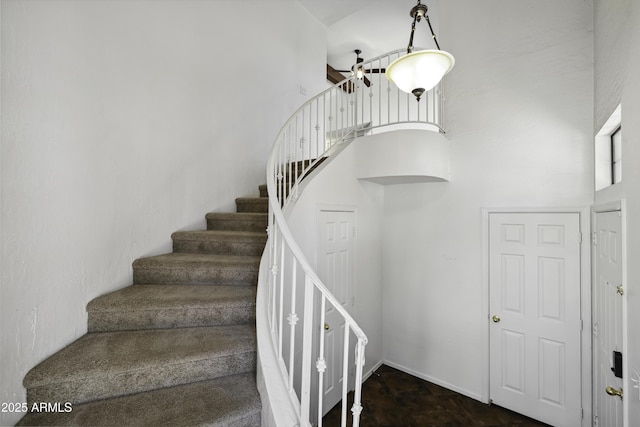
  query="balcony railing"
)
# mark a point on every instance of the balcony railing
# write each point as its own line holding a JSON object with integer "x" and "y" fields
{"x": 293, "y": 300}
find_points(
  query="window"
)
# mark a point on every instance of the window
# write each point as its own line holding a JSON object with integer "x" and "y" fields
{"x": 608, "y": 152}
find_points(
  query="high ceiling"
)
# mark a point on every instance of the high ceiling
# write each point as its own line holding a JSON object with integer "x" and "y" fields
{"x": 373, "y": 26}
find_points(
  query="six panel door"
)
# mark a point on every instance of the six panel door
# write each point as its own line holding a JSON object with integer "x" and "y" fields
{"x": 534, "y": 283}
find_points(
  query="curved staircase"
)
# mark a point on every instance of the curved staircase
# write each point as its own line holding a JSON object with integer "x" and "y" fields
{"x": 178, "y": 347}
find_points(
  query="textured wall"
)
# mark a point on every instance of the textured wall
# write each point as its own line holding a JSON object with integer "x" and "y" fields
{"x": 124, "y": 121}
{"x": 519, "y": 119}
{"x": 617, "y": 67}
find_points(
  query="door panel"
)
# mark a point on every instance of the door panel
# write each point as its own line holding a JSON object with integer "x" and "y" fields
{"x": 534, "y": 283}
{"x": 335, "y": 269}
{"x": 607, "y": 327}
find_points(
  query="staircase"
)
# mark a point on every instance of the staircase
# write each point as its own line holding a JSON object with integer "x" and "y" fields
{"x": 178, "y": 347}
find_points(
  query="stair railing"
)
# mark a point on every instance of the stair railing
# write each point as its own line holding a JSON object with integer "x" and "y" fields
{"x": 294, "y": 292}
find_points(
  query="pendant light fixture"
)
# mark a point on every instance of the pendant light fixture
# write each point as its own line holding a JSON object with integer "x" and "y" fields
{"x": 420, "y": 71}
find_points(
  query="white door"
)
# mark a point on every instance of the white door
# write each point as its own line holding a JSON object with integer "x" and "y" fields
{"x": 534, "y": 285}
{"x": 607, "y": 322}
{"x": 336, "y": 239}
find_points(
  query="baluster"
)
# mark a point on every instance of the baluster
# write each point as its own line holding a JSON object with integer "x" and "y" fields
{"x": 345, "y": 373}
{"x": 330, "y": 118}
{"x": 379, "y": 92}
{"x": 388, "y": 101}
{"x": 307, "y": 335}
{"x": 274, "y": 272}
{"x": 309, "y": 139}
{"x": 408, "y": 104}
{"x": 292, "y": 318}
{"x": 281, "y": 305}
{"x": 356, "y": 409}
{"x": 371, "y": 99}
{"x": 302, "y": 143}
{"x": 321, "y": 364}
{"x": 440, "y": 117}
{"x": 317, "y": 127}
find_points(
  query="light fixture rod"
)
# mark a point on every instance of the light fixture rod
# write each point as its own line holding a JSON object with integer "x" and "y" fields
{"x": 413, "y": 30}
{"x": 417, "y": 12}
{"x": 433, "y": 35}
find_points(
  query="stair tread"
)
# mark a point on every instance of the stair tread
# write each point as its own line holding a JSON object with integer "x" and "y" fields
{"x": 158, "y": 306}
{"x": 227, "y": 401}
{"x": 190, "y": 260}
{"x": 235, "y": 215}
{"x": 96, "y": 356}
{"x": 149, "y": 296}
{"x": 227, "y": 235}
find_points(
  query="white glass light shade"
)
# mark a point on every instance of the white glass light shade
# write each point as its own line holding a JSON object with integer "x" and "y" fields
{"x": 420, "y": 70}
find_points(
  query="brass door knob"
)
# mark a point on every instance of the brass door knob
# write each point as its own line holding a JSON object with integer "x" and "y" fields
{"x": 495, "y": 318}
{"x": 326, "y": 326}
{"x": 614, "y": 392}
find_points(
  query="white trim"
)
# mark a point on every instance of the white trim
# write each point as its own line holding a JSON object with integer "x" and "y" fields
{"x": 436, "y": 381}
{"x": 585, "y": 298}
{"x": 372, "y": 370}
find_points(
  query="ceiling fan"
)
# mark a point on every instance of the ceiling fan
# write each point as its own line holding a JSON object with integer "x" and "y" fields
{"x": 358, "y": 70}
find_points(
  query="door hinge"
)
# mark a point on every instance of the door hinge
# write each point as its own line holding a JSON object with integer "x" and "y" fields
{"x": 595, "y": 329}
{"x": 594, "y": 239}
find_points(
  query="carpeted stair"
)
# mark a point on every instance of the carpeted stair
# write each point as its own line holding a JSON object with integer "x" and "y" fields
{"x": 178, "y": 347}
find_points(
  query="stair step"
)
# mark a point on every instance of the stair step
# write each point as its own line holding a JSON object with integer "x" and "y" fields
{"x": 109, "y": 364}
{"x": 263, "y": 190}
{"x": 230, "y": 401}
{"x": 172, "y": 306}
{"x": 219, "y": 242}
{"x": 252, "y": 204}
{"x": 196, "y": 269}
{"x": 237, "y": 221}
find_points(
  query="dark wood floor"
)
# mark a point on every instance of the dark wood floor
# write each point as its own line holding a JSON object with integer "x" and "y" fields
{"x": 392, "y": 398}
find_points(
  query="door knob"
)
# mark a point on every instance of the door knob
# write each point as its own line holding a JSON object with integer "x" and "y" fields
{"x": 495, "y": 318}
{"x": 613, "y": 392}
{"x": 326, "y": 326}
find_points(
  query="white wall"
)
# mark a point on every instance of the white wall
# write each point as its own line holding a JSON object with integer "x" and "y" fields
{"x": 124, "y": 121}
{"x": 519, "y": 108}
{"x": 617, "y": 67}
{"x": 337, "y": 185}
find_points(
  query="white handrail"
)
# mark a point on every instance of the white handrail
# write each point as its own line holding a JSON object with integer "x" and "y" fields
{"x": 312, "y": 134}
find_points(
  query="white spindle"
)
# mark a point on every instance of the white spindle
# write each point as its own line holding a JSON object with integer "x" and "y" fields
{"x": 321, "y": 364}
{"x": 345, "y": 373}
{"x": 305, "y": 389}
{"x": 281, "y": 304}
{"x": 293, "y": 321}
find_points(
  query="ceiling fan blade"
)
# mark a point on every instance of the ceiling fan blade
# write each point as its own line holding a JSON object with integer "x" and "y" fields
{"x": 334, "y": 76}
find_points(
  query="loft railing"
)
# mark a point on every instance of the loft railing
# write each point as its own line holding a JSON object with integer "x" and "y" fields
{"x": 293, "y": 300}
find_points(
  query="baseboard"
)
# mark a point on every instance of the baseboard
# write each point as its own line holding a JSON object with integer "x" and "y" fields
{"x": 437, "y": 381}
{"x": 370, "y": 372}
